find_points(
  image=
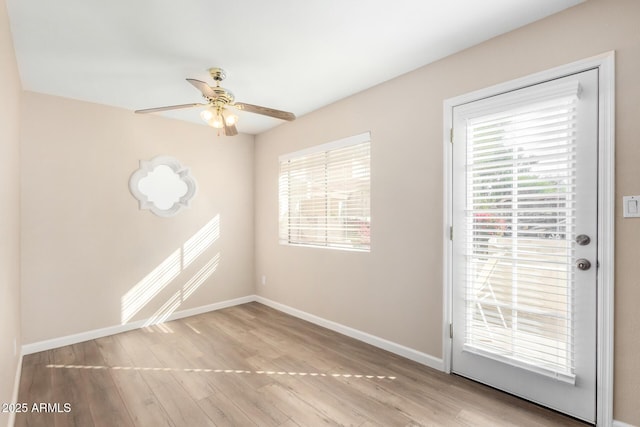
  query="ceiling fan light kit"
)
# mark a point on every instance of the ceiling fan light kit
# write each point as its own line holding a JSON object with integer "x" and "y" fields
{"x": 218, "y": 99}
{"x": 219, "y": 118}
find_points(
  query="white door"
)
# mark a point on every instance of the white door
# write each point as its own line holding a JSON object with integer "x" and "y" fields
{"x": 524, "y": 233}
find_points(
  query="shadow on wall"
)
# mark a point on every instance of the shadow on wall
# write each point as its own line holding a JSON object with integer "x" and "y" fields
{"x": 160, "y": 277}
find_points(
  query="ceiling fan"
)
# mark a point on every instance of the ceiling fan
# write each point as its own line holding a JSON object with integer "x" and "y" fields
{"x": 218, "y": 99}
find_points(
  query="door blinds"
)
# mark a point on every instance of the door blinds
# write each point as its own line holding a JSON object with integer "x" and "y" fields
{"x": 519, "y": 233}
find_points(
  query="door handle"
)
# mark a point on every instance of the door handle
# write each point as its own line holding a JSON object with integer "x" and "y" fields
{"x": 583, "y": 264}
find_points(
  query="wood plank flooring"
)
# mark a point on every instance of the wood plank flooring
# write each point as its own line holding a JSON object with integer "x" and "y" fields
{"x": 251, "y": 365}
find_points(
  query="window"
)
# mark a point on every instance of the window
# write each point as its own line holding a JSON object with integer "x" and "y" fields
{"x": 324, "y": 195}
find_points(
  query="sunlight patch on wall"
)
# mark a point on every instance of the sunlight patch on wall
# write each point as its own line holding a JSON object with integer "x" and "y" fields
{"x": 198, "y": 279}
{"x": 200, "y": 241}
{"x": 160, "y": 277}
{"x": 181, "y": 295}
{"x": 165, "y": 311}
{"x": 150, "y": 286}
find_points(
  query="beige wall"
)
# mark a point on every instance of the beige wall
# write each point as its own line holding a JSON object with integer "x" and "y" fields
{"x": 85, "y": 243}
{"x": 10, "y": 89}
{"x": 395, "y": 291}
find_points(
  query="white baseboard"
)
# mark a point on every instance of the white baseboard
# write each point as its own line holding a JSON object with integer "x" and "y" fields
{"x": 16, "y": 389}
{"x": 409, "y": 353}
{"x": 112, "y": 330}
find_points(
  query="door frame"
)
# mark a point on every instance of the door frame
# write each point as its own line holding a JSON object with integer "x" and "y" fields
{"x": 605, "y": 63}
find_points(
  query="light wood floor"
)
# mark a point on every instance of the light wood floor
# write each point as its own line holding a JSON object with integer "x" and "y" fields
{"x": 251, "y": 365}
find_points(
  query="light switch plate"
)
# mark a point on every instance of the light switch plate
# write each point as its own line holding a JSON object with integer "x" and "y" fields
{"x": 631, "y": 206}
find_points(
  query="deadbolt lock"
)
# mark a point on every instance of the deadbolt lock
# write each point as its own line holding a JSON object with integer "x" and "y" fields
{"x": 583, "y": 240}
{"x": 583, "y": 264}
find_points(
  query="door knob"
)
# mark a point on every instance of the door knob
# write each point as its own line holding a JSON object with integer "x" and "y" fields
{"x": 583, "y": 264}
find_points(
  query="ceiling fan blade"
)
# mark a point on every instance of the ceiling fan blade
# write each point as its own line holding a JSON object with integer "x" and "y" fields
{"x": 170, "y": 107}
{"x": 230, "y": 130}
{"x": 204, "y": 88}
{"x": 278, "y": 114}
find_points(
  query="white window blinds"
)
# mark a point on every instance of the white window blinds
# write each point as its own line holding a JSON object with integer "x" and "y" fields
{"x": 519, "y": 234}
{"x": 324, "y": 195}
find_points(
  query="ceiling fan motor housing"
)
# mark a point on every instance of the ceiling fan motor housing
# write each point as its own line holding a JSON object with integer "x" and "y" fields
{"x": 223, "y": 97}
{"x": 217, "y": 74}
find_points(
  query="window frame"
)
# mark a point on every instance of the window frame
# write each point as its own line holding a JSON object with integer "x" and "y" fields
{"x": 284, "y": 231}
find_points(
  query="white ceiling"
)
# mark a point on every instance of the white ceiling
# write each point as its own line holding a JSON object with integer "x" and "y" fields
{"x": 291, "y": 55}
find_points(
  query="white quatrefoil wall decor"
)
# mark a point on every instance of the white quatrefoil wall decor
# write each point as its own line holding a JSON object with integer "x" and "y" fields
{"x": 162, "y": 185}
